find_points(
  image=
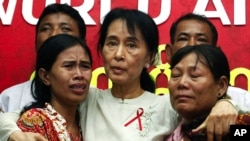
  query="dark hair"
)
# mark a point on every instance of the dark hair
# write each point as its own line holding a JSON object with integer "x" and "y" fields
{"x": 135, "y": 20}
{"x": 68, "y": 10}
{"x": 210, "y": 55}
{"x": 46, "y": 57}
{"x": 197, "y": 17}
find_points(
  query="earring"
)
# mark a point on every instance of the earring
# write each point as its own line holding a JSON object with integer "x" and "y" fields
{"x": 219, "y": 95}
{"x": 147, "y": 65}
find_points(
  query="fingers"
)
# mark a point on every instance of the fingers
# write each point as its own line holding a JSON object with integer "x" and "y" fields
{"x": 39, "y": 137}
{"x": 17, "y": 136}
{"x": 26, "y": 136}
{"x": 200, "y": 127}
{"x": 217, "y": 123}
{"x": 209, "y": 126}
{"x": 218, "y": 126}
{"x": 215, "y": 128}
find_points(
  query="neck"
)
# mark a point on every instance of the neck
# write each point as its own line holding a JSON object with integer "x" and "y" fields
{"x": 72, "y": 119}
{"x": 73, "y": 127}
{"x": 187, "y": 121}
{"x": 68, "y": 112}
{"x": 126, "y": 92}
{"x": 187, "y": 128}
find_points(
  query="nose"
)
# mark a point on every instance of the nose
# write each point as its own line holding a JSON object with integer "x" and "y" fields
{"x": 192, "y": 42}
{"x": 119, "y": 54}
{"x": 183, "y": 82}
{"x": 55, "y": 32}
{"x": 78, "y": 74}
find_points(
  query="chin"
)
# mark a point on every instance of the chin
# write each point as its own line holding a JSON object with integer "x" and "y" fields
{"x": 183, "y": 109}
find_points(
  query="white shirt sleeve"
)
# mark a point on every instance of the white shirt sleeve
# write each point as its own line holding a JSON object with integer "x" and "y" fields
{"x": 8, "y": 124}
{"x": 241, "y": 98}
{"x": 16, "y": 97}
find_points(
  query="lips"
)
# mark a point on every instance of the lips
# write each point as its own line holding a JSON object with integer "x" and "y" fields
{"x": 182, "y": 97}
{"x": 117, "y": 70}
{"x": 78, "y": 88}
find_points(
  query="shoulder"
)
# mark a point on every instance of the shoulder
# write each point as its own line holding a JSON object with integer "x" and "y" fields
{"x": 35, "y": 120}
{"x": 236, "y": 91}
{"x": 93, "y": 90}
{"x": 17, "y": 88}
{"x": 239, "y": 95}
{"x": 16, "y": 97}
{"x": 163, "y": 98}
{"x": 96, "y": 92}
{"x": 92, "y": 96}
{"x": 243, "y": 119}
{"x": 160, "y": 101}
{"x": 35, "y": 113}
{"x": 32, "y": 117}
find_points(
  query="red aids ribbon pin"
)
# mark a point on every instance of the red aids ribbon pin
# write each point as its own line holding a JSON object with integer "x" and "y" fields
{"x": 139, "y": 113}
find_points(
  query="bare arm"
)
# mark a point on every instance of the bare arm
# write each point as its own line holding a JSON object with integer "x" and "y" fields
{"x": 26, "y": 136}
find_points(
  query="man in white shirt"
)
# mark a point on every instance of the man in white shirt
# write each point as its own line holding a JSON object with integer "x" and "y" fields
{"x": 55, "y": 19}
{"x": 192, "y": 29}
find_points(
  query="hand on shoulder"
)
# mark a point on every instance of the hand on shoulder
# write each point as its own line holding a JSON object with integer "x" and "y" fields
{"x": 26, "y": 136}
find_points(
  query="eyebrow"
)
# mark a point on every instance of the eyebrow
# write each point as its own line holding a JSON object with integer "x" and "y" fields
{"x": 49, "y": 24}
{"x": 128, "y": 38}
{"x": 63, "y": 23}
{"x": 133, "y": 38}
{"x": 73, "y": 61}
{"x": 45, "y": 24}
{"x": 111, "y": 37}
{"x": 187, "y": 34}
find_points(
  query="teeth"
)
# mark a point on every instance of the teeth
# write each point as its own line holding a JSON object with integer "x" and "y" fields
{"x": 78, "y": 87}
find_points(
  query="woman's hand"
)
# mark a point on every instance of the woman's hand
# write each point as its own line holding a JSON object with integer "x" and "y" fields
{"x": 219, "y": 120}
{"x": 26, "y": 136}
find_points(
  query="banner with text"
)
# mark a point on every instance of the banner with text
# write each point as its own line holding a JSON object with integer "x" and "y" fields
{"x": 17, "y": 34}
